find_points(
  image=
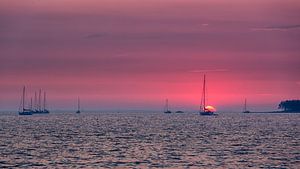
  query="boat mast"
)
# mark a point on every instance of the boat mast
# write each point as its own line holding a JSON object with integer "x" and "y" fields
{"x": 44, "y": 101}
{"x": 40, "y": 93}
{"x": 245, "y": 105}
{"x": 31, "y": 103}
{"x": 204, "y": 88}
{"x": 167, "y": 104}
{"x": 23, "y": 98}
{"x": 78, "y": 104}
{"x": 35, "y": 100}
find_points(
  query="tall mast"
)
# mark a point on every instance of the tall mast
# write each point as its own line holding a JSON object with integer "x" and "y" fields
{"x": 204, "y": 89}
{"x": 78, "y": 104}
{"x": 35, "y": 101}
{"x": 40, "y": 92}
{"x": 23, "y": 98}
{"x": 31, "y": 103}
{"x": 44, "y": 100}
{"x": 167, "y": 104}
{"x": 245, "y": 105}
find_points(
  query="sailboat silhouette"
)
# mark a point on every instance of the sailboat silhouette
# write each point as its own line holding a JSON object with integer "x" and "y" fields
{"x": 203, "y": 109}
{"x": 78, "y": 106}
{"x": 167, "y": 107}
{"x": 24, "y": 111}
{"x": 245, "y": 107}
{"x": 39, "y": 109}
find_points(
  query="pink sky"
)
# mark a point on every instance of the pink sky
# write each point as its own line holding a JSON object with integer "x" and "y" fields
{"x": 132, "y": 54}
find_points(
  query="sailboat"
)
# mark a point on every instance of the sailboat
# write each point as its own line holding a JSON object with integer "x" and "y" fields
{"x": 24, "y": 110}
{"x": 167, "y": 107}
{"x": 39, "y": 109}
{"x": 245, "y": 107}
{"x": 45, "y": 111}
{"x": 204, "y": 110}
{"x": 78, "y": 105}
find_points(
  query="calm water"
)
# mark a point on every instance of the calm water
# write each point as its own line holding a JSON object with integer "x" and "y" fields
{"x": 141, "y": 140}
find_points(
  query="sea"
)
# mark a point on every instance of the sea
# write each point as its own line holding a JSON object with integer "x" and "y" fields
{"x": 149, "y": 140}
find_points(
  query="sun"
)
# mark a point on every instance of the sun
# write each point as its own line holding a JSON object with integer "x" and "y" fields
{"x": 210, "y": 108}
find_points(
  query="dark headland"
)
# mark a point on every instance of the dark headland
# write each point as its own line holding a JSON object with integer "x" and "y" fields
{"x": 287, "y": 106}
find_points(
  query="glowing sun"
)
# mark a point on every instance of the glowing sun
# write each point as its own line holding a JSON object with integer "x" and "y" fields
{"x": 210, "y": 108}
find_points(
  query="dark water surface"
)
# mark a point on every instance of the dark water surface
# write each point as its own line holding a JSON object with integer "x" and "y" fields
{"x": 141, "y": 140}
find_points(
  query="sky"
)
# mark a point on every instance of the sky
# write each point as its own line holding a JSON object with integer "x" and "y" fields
{"x": 133, "y": 54}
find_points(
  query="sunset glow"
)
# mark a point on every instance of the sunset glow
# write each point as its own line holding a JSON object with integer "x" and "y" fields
{"x": 133, "y": 54}
{"x": 149, "y": 83}
{"x": 210, "y": 108}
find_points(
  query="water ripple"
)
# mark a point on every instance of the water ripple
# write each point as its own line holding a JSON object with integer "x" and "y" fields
{"x": 140, "y": 140}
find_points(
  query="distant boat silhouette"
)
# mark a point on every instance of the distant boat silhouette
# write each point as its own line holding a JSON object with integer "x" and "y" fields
{"x": 203, "y": 109}
{"x": 179, "y": 112}
{"x": 78, "y": 106}
{"x": 25, "y": 111}
{"x": 167, "y": 107}
{"x": 39, "y": 109}
{"x": 245, "y": 107}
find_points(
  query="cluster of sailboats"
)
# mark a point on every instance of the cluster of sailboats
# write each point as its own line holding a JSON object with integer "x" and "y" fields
{"x": 204, "y": 109}
{"x": 36, "y": 107}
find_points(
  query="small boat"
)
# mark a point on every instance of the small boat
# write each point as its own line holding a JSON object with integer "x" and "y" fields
{"x": 167, "y": 111}
{"x": 245, "y": 107}
{"x": 205, "y": 110}
{"x": 24, "y": 110}
{"x": 78, "y": 106}
{"x": 179, "y": 112}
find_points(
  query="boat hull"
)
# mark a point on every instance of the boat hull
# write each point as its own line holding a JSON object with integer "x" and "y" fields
{"x": 41, "y": 112}
{"x": 168, "y": 112}
{"x": 25, "y": 113}
{"x": 207, "y": 113}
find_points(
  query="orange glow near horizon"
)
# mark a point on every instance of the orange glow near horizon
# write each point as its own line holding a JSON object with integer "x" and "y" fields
{"x": 134, "y": 54}
{"x": 210, "y": 108}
